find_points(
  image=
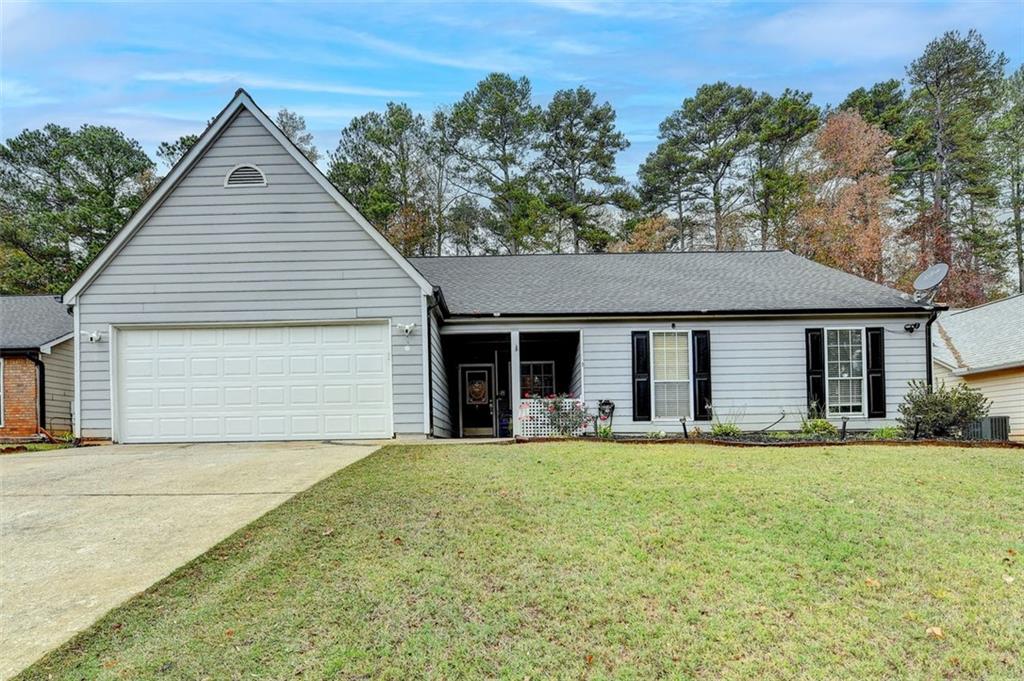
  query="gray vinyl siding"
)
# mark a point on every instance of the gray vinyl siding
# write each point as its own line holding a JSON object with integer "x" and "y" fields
{"x": 757, "y": 365}
{"x": 60, "y": 386}
{"x": 282, "y": 253}
{"x": 441, "y": 399}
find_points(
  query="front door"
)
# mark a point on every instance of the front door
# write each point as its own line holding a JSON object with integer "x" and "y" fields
{"x": 476, "y": 399}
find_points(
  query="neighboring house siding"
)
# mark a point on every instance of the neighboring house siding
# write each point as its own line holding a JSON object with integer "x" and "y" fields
{"x": 282, "y": 253}
{"x": 441, "y": 399}
{"x": 757, "y": 365}
{"x": 60, "y": 386}
{"x": 943, "y": 375}
{"x": 1004, "y": 389}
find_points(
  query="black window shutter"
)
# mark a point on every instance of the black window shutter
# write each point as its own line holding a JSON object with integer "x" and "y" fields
{"x": 876, "y": 371}
{"x": 641, "y": 376}
{"x": 702, "y": 375}
{"x": 815, "y": 341}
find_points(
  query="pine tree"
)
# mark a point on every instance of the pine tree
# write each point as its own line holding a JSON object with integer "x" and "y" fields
{"x": 491, "y": 132}
{"x": 577, "y": 161}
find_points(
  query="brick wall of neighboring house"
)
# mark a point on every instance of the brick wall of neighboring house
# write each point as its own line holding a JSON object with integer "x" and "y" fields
{"x": 20, "y": 403}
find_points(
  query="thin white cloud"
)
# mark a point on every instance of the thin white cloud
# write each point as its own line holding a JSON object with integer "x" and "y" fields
{"x": 579, "y": 6}
{"x": 847, "y": 32}
{"x": 486, "y": 61}
{"x": 200, "y": 77}
{"x": 15, "y": 93}
{"x": 630, "y": 9}
{"x": 574, "y": 47}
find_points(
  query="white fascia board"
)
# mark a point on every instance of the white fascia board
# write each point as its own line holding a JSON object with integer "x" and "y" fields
{"x": 969, "y": 371}
{"x": 47, "y": 348}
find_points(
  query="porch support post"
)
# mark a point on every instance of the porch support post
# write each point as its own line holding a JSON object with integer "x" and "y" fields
{"x": 517, "y": 427}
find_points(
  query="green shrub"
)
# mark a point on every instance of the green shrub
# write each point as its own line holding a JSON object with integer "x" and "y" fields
{"x": 725, "y": 430}
{"x": 604, "y": 432}
{"x": 887, "y": 433}
{"x": 780, "y": 435}
{"x": 818, "y": 428}
{"x": 943, "y": 411}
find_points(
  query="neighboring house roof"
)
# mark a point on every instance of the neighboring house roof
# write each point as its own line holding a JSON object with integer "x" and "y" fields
{"x": 241, "y": 100}
{"x": 30, "y": 322}
{"x": 734, "y": 282}
{"x": 983, "y": 338}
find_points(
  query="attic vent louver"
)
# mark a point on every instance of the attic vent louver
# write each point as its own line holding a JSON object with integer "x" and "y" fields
{"x": 245, "y": 176}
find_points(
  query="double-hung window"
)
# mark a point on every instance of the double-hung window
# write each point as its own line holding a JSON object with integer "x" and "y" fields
{"x": 537, "y": 378}
{"x": 670, "y": 362}
{"x": 846, "y": 384}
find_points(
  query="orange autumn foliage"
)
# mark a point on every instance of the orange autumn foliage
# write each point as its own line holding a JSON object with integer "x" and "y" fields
{"x": 649, "y": 235}
{"x": 845, "y": 222}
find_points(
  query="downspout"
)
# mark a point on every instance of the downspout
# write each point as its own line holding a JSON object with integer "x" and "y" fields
{"x": 928, "y": 347}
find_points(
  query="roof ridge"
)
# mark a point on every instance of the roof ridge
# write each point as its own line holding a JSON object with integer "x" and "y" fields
{"x": 948, "y": 341}
{"x": 601, "y": 253}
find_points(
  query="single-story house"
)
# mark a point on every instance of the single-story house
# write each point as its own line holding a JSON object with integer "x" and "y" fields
{"x": 249, "y": 300}
{"x": 983, "y": 347}
{"x": 37, "y": 360}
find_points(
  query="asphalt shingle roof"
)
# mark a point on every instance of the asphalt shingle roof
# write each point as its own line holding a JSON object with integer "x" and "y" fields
{"x": 987, "y": 336}
{"x": 31, "y": 321}
{"x": 646, "y": 283}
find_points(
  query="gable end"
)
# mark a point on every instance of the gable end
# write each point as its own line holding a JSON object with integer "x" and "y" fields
{"x": 241, "y": 102}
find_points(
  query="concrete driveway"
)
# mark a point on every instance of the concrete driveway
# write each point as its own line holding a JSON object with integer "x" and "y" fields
{"x": 81, "y": 530}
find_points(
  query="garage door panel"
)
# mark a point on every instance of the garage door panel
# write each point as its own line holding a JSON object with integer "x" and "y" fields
{"x": 238, "y": 383}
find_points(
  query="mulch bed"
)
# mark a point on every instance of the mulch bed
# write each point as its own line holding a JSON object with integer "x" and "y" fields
{"x": 770, "y": 442}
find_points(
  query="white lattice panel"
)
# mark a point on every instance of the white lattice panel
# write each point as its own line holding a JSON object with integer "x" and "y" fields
{"x": 535, "y": 421}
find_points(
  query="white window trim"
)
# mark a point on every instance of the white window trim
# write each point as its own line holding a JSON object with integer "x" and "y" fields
{"x": 654, "y": 379}
{"x": 863, "y": 413}
{"x": 1, "y": 392}
{"x": 550, "y": 362}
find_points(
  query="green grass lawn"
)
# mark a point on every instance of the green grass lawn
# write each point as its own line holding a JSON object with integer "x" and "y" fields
{"x": 569, "y": 560}
{"x": 16, "y": 448}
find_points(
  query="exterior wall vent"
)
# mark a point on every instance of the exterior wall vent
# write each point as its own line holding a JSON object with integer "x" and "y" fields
{"x": 245, "y": 175}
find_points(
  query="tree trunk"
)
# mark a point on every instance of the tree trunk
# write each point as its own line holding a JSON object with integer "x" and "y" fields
{"x": 939, "y": 202}
{"x": 1017, "y": 199}
{"x": 716, "y": 202}
{"x": 681, "y": 223}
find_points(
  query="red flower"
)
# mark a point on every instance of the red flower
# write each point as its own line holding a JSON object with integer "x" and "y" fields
{"x": 604, "y": 417}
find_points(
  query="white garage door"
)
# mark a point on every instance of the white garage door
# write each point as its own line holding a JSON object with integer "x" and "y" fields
{"x": 253, "y": 383}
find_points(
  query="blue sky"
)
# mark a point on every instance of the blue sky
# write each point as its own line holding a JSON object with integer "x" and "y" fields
{"x": 159, "y": 70}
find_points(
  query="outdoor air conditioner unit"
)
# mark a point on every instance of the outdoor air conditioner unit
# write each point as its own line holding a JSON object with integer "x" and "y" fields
{"x": 989, "y": 428}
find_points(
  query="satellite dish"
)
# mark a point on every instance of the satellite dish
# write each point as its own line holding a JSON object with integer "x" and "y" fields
{"x": 928, "y": 282}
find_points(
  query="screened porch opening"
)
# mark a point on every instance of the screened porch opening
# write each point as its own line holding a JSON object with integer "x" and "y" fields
{"x": 479, "y": 376}
{"x": 549, "y": 364}
{"x": 495, "y": 378}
